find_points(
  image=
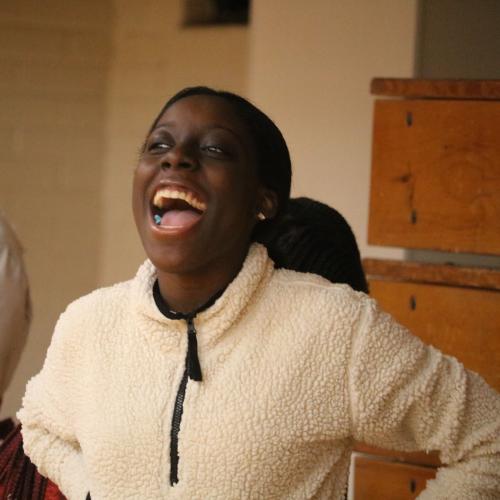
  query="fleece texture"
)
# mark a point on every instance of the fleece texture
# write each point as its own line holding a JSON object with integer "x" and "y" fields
{"x": 294, "y": 369}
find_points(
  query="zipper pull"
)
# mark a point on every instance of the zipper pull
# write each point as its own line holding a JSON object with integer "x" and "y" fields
{"x": 192, "y": 361}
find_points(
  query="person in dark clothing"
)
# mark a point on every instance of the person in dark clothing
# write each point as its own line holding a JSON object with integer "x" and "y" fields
{"x": 312, "y": 237}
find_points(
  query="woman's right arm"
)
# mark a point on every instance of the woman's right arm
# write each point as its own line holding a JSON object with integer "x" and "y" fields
{"x": 48, "y": 415}
{"x": 408, "y": 396}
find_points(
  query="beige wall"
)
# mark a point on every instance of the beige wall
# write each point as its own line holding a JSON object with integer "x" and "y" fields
{"x": 53, "y": 68}
{"x": 310, "y": 68}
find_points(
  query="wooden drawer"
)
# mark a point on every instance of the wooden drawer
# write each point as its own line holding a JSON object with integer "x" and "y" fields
{"x": 462, "y": 322}
{"x": 435, "y": 179}
{"x": 376, "y": 479}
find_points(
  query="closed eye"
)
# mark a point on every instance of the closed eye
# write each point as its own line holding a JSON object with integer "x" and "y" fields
{"x": 218, "y": 152}
{"x": 213, "y": 149}
{"x": 159, "y": 147}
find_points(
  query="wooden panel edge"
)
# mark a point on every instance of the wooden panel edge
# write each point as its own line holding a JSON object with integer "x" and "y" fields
{"x": 440, "y": 274}
{"x": 445, "y": 89}
{"x": 422, "y": 458}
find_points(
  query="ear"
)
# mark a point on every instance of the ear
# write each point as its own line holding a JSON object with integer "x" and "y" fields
{"x": 267, "y": 205}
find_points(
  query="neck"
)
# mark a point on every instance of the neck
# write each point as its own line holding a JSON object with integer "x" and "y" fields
{"x": 186, "y": 292}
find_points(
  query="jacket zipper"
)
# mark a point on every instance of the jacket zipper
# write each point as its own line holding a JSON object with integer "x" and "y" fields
{"x": 174, "y": 431}
{"x": 192, "y": 370}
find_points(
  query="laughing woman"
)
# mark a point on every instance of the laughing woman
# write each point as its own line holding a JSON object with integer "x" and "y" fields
{"x": 211, "y": 374}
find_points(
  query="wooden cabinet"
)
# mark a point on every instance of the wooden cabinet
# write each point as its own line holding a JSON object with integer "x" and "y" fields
{"x": 435, "y": 175}
{"x": 435, "y": 185}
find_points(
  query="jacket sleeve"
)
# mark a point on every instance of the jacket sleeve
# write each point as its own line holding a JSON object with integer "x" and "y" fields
{"x": 48, "y": 415}
{"x": 408, "y": 396}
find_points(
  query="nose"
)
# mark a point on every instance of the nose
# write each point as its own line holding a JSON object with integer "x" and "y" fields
{"x": 178, "y": 156}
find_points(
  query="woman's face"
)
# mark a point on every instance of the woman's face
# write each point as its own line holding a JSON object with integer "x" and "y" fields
{"x": 196, "y": 191}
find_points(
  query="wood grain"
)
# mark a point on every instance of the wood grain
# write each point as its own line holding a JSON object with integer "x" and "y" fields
{"x": 382, "y": 480}
{"x": 435, "y": 180}
{"x": 440, "y": 274}
{"x": 416, "y": 458}
{"x": 448, "y": 89}
{"x": 462, "y": 322}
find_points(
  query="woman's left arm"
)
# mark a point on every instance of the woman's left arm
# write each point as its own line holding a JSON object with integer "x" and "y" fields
{"x": 408, "y": 396}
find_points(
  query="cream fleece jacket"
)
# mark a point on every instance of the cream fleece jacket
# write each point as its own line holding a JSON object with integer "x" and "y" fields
{"x": 294, "y": 368}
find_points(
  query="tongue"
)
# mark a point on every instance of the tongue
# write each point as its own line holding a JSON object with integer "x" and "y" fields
{"x": 179, "y": 218}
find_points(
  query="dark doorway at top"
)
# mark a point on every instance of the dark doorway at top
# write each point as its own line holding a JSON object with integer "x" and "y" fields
{"x": 210, "y": 12}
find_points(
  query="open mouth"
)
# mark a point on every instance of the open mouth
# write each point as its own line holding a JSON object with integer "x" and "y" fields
{"x": 176, "y": 209}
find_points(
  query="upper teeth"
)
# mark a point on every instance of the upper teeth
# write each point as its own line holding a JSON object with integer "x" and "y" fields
{"x": 168, "y": 193}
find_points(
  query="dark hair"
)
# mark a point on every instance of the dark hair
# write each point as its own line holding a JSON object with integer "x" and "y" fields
{"x": 273, "y": 158}
{"x": 312, "y": 237}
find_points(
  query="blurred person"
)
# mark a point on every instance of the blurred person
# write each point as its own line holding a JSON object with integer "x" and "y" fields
{"x": 19, "y": 479}
{"x": 15, "y": 309}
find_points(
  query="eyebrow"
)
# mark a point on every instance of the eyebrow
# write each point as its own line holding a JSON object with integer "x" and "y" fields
{"x": 166, "y": 125}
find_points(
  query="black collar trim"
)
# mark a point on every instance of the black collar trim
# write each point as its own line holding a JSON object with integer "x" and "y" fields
{"x": 164, "y": 308}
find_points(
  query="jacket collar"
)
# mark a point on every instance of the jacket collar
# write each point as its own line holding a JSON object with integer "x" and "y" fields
{"x": 212, "y": 323}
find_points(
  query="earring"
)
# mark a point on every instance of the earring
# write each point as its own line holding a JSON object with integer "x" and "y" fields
{"x": 261, "y": 216}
